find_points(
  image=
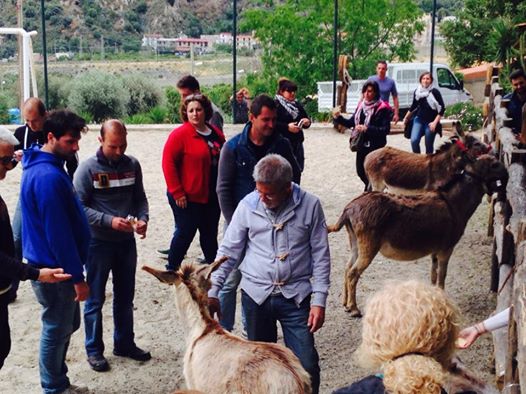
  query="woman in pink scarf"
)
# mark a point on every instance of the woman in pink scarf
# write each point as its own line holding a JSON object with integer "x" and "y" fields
{"x": 373, "y": 118}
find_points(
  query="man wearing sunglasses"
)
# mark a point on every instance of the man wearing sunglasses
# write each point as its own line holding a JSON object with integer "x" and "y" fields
{"x": 11, "y": 267}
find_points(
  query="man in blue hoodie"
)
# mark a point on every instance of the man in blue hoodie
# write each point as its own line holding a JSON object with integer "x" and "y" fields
{"x": 55, "y": 234}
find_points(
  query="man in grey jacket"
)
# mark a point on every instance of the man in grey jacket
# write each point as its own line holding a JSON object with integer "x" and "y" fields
{"x": 110, "y": 187}
{"x": 286, "y": 267}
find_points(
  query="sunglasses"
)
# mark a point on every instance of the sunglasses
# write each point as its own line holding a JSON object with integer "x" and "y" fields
{"x": 6, "y": 160}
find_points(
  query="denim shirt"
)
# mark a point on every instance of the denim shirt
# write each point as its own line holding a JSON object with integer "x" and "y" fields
{"x": 288, "y": 252}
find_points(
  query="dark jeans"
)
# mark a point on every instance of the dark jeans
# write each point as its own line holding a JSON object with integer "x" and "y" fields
{"x": 121, "y": 259}
{"x": 360, "y": 159}
{"x": 5, "y": 334}
{"x": 60, "y": 319}
{"x": 261, "y": 326}
{"x": 202, "y": 217}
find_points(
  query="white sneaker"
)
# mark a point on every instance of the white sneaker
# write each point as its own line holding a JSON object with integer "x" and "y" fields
{"x": 73, "y": 389}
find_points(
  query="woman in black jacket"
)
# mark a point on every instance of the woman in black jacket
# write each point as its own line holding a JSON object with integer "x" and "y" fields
{"x": 291, "y": 118}
{"x": 373, "y": 118}
{"x": 429, "y": 106}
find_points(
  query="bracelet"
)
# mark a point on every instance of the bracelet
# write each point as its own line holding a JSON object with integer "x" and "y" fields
{"x": 479, "y": 327}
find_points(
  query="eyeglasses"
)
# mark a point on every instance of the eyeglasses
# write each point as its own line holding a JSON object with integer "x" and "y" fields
{"x": 195, "y": 96}
{"x": 6, "y": 160}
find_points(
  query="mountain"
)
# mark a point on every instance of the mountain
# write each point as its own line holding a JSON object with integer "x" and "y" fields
{"x": 82, "y": 25}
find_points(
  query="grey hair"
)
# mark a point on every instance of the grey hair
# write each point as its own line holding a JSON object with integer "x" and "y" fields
{"x": 273, "y": 169}
{"x": 7, "y": 137}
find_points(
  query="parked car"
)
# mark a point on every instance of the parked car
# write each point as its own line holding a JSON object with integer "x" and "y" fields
{"x": 406, "y": 77}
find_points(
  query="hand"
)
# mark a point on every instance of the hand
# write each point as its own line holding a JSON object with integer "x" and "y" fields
{"x": 141, "y": 227}
{"x": 466, "y": 337}
{"x": 214, "y": 308}
{"x": 396, "y": 118}
{"x": 306, "y": 122}
{"x": 121, "y": 224}
{"x": 316, "y": 318}
{"x": 293, "y": 128}
{"x": 82, "y": 291}
{"x": 181, "y": 202}
{"x": 336, "y": 111}
{"x": 18, "y": 154}
{"x": 406, "y": 120}
{"x": 432, "y": 126}
{"x": 52, "y": 275}
{"x": 361, "y": 128}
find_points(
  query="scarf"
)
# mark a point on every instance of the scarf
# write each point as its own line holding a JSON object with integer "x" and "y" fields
{"x": 422, "y": 92}
{"x": 290, "y": 106}
{"x": 368, "y": 108}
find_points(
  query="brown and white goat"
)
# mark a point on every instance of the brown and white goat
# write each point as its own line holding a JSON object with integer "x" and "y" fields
{"x": 403, "y": 172}
{"x": 410, "y": 227}
{"x": 219, "y": 362}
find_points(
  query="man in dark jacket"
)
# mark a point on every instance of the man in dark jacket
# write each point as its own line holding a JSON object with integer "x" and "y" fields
{"x": 236, "y": 165}
{"x": 55, "y": 234}
{"x": 11, "y": 267}
{"x": 517, "y": 105}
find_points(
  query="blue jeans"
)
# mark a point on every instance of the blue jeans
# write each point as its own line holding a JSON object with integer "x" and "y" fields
{"x": 120, "y": 258}
{"x": 60, "y": 319}
{"x": 227, "y": 300}
{"x": 261, "y": 326}
{"x": 417, "y": 132}
{"x": 17, "y": 237}
{"x": 202, "y": 217}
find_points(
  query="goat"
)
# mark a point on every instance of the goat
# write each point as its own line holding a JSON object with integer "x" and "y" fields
{"x": 410, "y": 227}
{"x": 217, "y": 361}
{"x": 402, "y": 172}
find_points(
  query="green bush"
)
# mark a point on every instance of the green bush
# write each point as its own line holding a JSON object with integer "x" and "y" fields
{"x": 4, "y": 115}
{"x": 144, "y": 93}
{"x": 469, "y": 115}
{"x": 57, "y": 90}
{"x": 158, "y": 115}
{"x": 220, "y": 96}
{"x": 173, "y": 102}
{"x": 139, "y": 119}
{"x": 100, "y": 94}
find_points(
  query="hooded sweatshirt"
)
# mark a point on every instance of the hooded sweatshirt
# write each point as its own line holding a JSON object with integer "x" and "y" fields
{"x": 55, "y": 231}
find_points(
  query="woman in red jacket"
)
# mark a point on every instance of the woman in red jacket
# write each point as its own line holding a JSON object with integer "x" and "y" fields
{"x": 190, "y": 160}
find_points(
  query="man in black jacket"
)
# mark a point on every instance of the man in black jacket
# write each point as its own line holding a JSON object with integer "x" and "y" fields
{"x": 10, "y": 267}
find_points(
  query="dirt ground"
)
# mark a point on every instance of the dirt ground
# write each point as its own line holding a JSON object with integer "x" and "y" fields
{"x": 330, "y": 174}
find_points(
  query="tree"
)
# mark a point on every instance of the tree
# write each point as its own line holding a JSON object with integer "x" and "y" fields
{"x": 297, "y": 37}
{"x": 483, "y": 31}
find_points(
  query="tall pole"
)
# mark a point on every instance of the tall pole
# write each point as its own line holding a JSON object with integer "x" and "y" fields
{"x": 335, "y": 54}
{"x": 234, "y": 56}
{"x": 44, "y": 50}
{"x": 20, "y": 24}
{"x": 433, "y": 36}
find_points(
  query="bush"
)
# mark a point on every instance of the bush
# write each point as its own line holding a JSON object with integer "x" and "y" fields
{"x": 144, "y": 94}
{"x": 4, "y": 115}
{"x": 57, "y": 90}
{"x": 173, "y": 102}
{"x": 220, "y": 96}
{"x": 100, "y": 94}
{"x": 139, "y": 119}
{"x": 158, "y": 115}
{"x": 469, "y": 115}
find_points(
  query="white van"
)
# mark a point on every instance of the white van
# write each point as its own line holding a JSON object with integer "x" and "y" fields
{"x": 406, "y": 77}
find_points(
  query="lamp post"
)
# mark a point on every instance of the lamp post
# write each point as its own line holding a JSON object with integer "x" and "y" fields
{"x": 234, "y": 55}
{"x": 44, "y": 50}
{"x": 335, "y": 54}
{"x": 433, "y": 16}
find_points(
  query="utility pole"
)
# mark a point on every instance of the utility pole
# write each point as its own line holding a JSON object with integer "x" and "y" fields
{"x": 433, "y": 16}
{"x": 335, "y": 54}
{"x": 101, "y": 47}
{"x": 234, "y": 56}
{"x": 20, "y": 24}
{"x": 44, "y": 50}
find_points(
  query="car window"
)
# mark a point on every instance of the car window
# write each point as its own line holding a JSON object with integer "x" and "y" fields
{"x": 446, "y": 79}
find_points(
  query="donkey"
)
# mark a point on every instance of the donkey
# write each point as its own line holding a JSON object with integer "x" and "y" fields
{"x": 410, "y": 227}
{"x": 219, "y": 362}
{"x": 402, "y": 172}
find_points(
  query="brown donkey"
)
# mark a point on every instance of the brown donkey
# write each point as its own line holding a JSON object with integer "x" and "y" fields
{"x": 403, "y": 172}
{"x": 219, "y": 362}
{"x": 410, "y": 227}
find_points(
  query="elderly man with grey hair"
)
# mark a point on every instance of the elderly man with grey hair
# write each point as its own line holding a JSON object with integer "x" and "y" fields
{"x": 286, "y": 267}
{"x": 11, "y": 267}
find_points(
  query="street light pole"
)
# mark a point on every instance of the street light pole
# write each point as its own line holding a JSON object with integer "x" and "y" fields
{"x": 234, "y": 56}
{"x": 335, "y": 54}
{"x": 433, "y": 16}
{"x": 44, "y": 50}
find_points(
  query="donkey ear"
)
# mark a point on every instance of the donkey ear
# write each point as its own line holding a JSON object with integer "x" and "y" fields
{"x": 213, "y": 266}
{"x": 169, "y": 277}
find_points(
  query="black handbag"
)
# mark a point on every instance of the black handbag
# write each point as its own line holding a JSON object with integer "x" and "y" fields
{"x": 356, "y": 141}
{"x": 409, "y": 125}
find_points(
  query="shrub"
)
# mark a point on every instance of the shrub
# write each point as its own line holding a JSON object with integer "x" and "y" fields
{"x": 220, "y": 96}
{"x": 469, "y": 115}
{"x": 4, "y": 115}
{"x": 158, "y": 115}
{"x": 139, "y": 119}
{"x": 173, "y": 102}
{"x": 144, "y": 94}
{"x": 57, "y": 90}
{"x": 100, "y": 94}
